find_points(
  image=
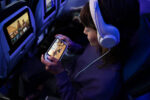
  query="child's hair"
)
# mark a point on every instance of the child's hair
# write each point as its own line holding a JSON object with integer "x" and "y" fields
{"x": 85, "y": 17}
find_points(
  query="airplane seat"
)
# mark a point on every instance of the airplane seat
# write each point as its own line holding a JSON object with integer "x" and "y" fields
{"x": 17, "y": 34}
{"x": 68, "y": 6}
{"x": 61, "y": 5}
{"x": 137, "y": 70}
{"x": 44, "y": 12}
{"x": 32, "y": 4}
{"x": 144, "y": 6}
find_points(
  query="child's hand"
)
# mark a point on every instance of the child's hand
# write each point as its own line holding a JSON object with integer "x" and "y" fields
{"x": 54, "y": 66}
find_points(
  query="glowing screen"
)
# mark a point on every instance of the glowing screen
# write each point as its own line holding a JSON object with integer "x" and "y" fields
{"x": 49, "y": 5}
{"x": 18, "y": 28}
{"x": 57, "y": 49}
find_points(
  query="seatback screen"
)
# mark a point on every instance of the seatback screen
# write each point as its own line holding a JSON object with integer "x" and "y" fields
{"x": 49, "y": 7}
{"x": 18, "y": 29}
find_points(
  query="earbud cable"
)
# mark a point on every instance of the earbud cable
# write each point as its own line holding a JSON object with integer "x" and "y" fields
{"x": 91, "y": 63}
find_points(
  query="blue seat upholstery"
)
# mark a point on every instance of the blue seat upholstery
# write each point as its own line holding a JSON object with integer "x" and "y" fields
{"x": 42, "y": 20}
{"x": 12, "y": 52}
{"x": 137, "y": 71}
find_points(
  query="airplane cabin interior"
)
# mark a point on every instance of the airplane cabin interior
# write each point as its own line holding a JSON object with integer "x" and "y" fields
{"x": 29, "y": 27}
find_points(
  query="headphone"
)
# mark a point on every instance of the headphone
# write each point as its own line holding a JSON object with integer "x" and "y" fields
{"x": 108, "y": 35}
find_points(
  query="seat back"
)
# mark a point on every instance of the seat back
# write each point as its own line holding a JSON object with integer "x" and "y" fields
{"x": 137, "y": 71}
{"x": 45, "y": 13}
{"x": 15, "y": 38}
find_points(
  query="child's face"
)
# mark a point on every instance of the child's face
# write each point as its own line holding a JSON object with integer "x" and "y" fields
{"x": 91, "y": 35}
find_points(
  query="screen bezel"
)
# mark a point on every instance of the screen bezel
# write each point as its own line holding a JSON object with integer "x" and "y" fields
{"x": 53, "y": 44}
{"x": 46, "y": 14}
{"x": 13, "y": 47}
